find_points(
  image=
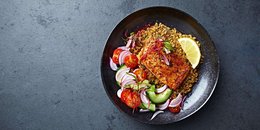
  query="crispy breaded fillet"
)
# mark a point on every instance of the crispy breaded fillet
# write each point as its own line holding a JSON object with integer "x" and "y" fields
{"x": 172, "y": 75}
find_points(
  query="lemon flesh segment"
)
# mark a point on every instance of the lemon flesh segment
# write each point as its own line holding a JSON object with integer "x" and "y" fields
{"x": 192, "y": 51}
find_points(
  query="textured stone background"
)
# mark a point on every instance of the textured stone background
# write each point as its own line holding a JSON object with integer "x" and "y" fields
{"x": 50, "y": 54}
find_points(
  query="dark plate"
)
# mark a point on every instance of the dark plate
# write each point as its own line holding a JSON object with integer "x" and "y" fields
{"x": 208, "y": 70}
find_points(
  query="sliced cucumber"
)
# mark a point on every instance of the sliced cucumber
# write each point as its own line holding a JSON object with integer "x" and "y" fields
{"x": 151, "y": 106}
{"x": 158, "y": 98}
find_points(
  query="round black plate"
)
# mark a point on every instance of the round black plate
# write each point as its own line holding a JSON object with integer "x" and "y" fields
{"x": 208, "y": 70}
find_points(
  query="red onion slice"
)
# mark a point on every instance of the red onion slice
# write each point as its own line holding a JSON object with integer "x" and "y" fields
{"x": 164, "y": 106}
{"x": 127, "y": 77}
{"x": 144, "y": 98}
{"x": 112, "y": 64}
{"x": 126, "y": 82}
{"x": 122, "y": 56}
{"x": 120, "y": 74}
{"x": 119, "y": 92}
{"x": 123, "y": 48}
{"x": 161, "y": 89}
{"x": 144, "y": 110}
{"x": 129, "y": 42}
{"x": 155, "y": 114}
{"x": 182, "y": 102}
{"x": 176, "y": 101}
{"x": 166, "y": 60}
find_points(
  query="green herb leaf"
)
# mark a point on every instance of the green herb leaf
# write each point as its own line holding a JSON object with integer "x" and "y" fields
{"x": 168, "y": 45}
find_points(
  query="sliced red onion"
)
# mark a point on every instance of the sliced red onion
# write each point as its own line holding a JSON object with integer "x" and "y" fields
{"x": 144, "y": 98}
{"x": 164, "y": 106}
{"x": 123, "y": 48}
{"x": 176, "y": 101}
{"x": 166, "y": 60}
{"x": 166, "y": 51}
{"x": 156, "y": 113}
{"x": 133, "y": 44}
{"x": 112, "y": 64}
{"x": 129, "y": 42}
{"x": 160, "y": 40}
{"x": 127, "y": 82}
{"x": 161, "y": 89}
{"x": 144, "y": 110}
{"x": 120, "y": 74}
{"x": 127, "y": 77}
{"x": 122, "y": 56}
{"x": 182, "y": 102}
{"x": 119, "y": 92}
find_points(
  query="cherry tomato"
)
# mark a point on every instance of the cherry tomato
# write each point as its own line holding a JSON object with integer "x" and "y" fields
{"x": 140, "y": 74}
{"x": 131, "y": 61}
{"x": 116, "y": 54}
{"x": 131, "y": 98}
{"x": 125, "y": 94}
{"x": 175, "y": 109}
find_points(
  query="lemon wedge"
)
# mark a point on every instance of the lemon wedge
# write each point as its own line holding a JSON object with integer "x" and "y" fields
{"x": 191, "y": 50}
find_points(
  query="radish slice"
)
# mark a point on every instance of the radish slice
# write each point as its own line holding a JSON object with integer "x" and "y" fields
{"x": 143, "y": 110}
{"x": 112, "y": 64}
{"x": 161, "y": 89}
{"x": 164, "y": 106}
{"x": 122, "y": 56}
{"x": 119, "y": 92}
{"x": 123, "y": 48}
{"x": 176, "y": 101}
{"x": 155, "y": 114}
{"x": 120, "y": 73}
{"x": 144, "y": 98}
{"x": 166, "y": 60}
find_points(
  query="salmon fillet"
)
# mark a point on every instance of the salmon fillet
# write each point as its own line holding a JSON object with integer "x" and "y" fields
{"x": 172, "y": 75}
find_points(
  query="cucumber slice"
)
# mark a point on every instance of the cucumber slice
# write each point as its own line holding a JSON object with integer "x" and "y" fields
{"x": 151, "y": 106}
{"x": 158, "y": 98}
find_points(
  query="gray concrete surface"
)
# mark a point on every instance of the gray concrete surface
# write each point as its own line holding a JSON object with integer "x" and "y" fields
{"x": 50, "y": 54}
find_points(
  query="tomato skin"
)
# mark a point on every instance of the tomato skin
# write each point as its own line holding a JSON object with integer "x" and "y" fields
{"x": 175, "y": 109}
{"x": 131, "y": 61}
{"x": 140, "y": 74}
{"x": 125, "y": 94}
{"x": 131, "y": 98}
{"x": 116, "y": 54}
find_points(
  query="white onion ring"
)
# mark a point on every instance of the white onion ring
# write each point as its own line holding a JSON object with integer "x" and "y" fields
{"x": 161, "y": 89}
{"x": 182, "y": 102}
{"x": 164, "y": 106}
{"x": 176, "y": 101}
{"x": 155, "y": 114}
{"x": 144, "y": 98}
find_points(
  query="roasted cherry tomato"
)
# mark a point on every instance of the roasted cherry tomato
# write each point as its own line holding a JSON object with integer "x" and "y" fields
{"x": 116, "y": 55}
{"x": 131, "y": 98}
{"x": 175, "y": 109}
{"x": 140, "y": 74}
{"x": 131, "y": 61}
